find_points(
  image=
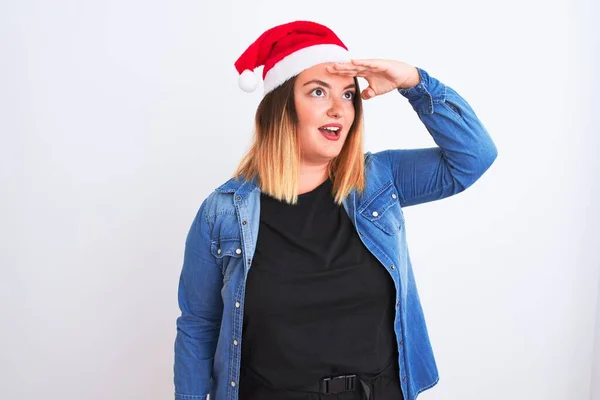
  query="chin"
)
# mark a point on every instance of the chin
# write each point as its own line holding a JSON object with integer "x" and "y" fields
{"x": 331, "y": 155}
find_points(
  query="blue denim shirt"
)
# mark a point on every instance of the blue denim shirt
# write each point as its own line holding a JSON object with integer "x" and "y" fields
{"x": 222, "y": 239}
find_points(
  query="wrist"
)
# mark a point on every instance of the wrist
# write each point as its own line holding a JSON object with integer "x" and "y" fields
{"x": 413, "y": 80}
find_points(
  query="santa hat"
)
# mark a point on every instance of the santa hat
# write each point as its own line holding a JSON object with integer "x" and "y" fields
{"x": 286, "y": 50}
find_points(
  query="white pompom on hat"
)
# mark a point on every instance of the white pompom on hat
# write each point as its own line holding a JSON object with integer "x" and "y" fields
{"x": 286, "y": 50}
{"x": 248, "y": 81}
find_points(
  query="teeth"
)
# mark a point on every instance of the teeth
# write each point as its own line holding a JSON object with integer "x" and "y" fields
{"x": 332, "y": 129}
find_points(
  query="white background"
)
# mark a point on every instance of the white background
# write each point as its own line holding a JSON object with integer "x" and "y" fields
{"x": 117, "y": 118}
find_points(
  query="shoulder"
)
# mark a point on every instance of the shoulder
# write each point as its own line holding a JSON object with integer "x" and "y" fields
{"x": 219, "y": 201}
{"x": 379, "y": 159}
{"x": 377, "y": 165}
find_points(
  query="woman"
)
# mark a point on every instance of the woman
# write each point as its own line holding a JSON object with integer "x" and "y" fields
{"x": 297, "y": 282}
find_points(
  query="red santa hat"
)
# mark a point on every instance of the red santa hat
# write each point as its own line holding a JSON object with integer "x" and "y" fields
{"x": 286, "y": 50}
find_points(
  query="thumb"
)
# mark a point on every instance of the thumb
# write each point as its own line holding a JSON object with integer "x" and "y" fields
{"x": 367, "y": 93}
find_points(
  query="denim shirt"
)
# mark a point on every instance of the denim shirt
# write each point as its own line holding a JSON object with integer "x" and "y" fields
{"x": 222, "y": 240}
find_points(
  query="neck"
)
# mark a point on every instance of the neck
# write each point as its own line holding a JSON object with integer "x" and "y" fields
{"x": 311, "y": 176}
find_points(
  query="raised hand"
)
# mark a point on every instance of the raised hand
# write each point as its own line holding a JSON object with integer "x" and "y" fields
{"x": 382, "y": 75}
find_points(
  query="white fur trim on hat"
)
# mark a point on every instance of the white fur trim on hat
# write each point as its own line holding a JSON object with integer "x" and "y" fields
{"x": 303, "y": 59}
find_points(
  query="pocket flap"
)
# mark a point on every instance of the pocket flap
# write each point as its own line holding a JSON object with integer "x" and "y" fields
{"x": 226, "y": 246}
{"x": 383, "y": 209}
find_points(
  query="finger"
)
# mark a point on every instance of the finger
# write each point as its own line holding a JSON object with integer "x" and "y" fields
{"x": 341, "y": 69}
{"x": 363, "y": 61}
{"x": 367, "y": 93}
{"x": 367, "y": 63}
{"x": 347, "y": 66}
{"x": 366, "y": 70}
{"x": 347, "y": 72}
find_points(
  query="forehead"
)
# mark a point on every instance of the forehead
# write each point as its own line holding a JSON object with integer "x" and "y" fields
{"x": 320, "y": 72}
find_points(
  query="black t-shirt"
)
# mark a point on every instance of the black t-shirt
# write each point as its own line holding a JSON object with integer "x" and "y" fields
{"x": 318, "y": 303}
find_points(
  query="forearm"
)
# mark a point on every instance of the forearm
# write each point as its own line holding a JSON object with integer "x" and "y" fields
{"x": 465, "y": 149}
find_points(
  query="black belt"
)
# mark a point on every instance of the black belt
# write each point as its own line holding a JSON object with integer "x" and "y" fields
{"x": 349, "y": 382}
{"x": 343, "y": 383}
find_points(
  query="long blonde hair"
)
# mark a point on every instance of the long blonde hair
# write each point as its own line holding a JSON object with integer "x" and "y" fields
{"x": 275, "y": 153}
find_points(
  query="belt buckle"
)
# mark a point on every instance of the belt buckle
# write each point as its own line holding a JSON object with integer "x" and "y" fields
{"x": 338, "y": 384}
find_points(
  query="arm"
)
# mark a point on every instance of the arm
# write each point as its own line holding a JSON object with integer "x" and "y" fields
{"x": 465, "y": 150}
{"x": 201, "y": 308}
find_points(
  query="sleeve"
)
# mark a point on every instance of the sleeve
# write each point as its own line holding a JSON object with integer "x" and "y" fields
{"x": 465, "y": 149}
{"x": 201, "y": 306}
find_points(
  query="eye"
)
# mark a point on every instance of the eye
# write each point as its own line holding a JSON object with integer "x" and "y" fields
{"x": 315, "y": 90}
{"x": 320, "y": 90}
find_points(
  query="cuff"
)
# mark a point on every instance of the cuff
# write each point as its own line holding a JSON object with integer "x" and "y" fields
{"x": 427, "y": 92}
{"x": 190, "y": 396}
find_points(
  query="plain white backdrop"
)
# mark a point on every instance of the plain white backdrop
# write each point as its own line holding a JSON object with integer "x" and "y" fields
{"x": 117, "y": 118}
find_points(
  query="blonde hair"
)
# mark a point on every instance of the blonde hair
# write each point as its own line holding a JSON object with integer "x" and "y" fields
{"x": 275, "y": 153}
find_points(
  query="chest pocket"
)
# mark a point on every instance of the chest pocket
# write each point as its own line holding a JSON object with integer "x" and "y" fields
{"x": 383, "y": 210}
{"x": 227, "y": 250}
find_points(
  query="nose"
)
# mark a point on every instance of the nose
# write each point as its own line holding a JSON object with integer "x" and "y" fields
{"x": 335, "y": 111}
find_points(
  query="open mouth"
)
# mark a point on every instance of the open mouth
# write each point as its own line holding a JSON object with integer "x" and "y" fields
{"x": 331, "y": 130}
{"x": 332, "y": 134}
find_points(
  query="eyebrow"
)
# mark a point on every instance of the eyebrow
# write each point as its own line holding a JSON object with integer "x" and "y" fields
{"x": 328, "y": 86}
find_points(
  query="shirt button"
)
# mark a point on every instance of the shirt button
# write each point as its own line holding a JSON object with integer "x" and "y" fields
{"x": 232, "y": 383}
{"x": 393, "y": 267}
{"x": 403, "y": 378}
{"x": 218, "y": 251}
{"x": 238, "y": 198}
{"x": 237, "y": 304}
{"x": 235, "y": 342}
{"x": 394, "y": 195}
{"x": 375, "y": 213}
{"x": 238, "y": 251}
